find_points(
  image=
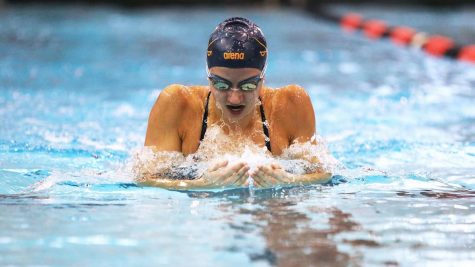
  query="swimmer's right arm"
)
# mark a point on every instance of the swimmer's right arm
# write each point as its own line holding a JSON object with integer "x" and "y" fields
{"x": 165, "y": 118}
{"x": 220, "y": 175}
{"x": 163, "y": 134}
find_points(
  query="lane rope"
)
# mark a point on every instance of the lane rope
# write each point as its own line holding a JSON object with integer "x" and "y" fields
{"x": 435, "y": 45}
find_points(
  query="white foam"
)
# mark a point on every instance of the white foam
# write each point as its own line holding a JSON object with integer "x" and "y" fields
{"x": 299, "y": 158}
{"x": 120, "y": 173}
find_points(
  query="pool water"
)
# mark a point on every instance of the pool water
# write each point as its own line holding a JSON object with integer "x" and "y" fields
{"x": 76, "y": 87}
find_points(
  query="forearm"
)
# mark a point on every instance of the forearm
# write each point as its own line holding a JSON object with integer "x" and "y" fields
{"x": 169, "y": 183}
{"x": 303, "y": 171}
{"x": 312, "y": 178}
{"x": 201, "y": 182}
{"x": 168, "y": 168}
{"x": 188, "y": 172}
{"x": 180, "y": 177}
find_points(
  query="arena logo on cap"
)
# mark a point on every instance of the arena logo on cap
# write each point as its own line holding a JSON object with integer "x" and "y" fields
{"x": 233, "y": 56}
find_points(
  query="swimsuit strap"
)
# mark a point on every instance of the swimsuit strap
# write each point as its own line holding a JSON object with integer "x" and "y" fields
{"x": 204, "y": 123}
{"x": 265, "y": 127}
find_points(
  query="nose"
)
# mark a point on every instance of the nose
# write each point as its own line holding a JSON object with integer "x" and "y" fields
{"x": 235, "y": 96}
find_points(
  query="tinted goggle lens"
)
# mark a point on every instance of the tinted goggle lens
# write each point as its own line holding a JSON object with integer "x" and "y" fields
{"x": 247, "y": 85}
{"x": 220, "y": 85}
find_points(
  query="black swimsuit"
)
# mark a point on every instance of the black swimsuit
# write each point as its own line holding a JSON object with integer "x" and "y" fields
{"x": 204, "y": 124}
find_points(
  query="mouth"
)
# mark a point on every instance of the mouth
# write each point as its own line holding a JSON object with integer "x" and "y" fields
{"x": 235, "y": 109}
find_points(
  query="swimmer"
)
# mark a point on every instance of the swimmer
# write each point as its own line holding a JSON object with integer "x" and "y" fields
{"x": 238, "y": 101}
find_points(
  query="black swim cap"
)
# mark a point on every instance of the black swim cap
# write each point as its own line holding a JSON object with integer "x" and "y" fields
{"x": 237, "y": 43}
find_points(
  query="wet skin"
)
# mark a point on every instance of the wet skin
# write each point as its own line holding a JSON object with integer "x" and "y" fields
{"x": 175, "y": 125}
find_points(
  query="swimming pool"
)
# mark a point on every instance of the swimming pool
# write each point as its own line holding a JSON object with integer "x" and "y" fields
{"x": 76, "y": 86}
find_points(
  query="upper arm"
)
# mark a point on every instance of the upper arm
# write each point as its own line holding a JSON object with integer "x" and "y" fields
{"x": 300, "y": 122}
{"x": 299, "y": 119}
{"x": 165, "y": 118}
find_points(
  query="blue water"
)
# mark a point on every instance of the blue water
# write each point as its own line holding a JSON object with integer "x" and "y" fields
{"x": 76, "y": 86}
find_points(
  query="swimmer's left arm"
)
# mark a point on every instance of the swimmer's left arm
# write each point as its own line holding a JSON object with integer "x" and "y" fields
{"x": 300, "y": 128}
{"x": 299, "y": 124}
{"x": 274, "y": 174}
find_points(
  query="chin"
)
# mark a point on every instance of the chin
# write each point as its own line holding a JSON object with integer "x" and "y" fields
{"x": 245, "y": 112}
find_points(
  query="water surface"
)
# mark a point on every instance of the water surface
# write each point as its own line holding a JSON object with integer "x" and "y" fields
{"x": 76, "y": 86}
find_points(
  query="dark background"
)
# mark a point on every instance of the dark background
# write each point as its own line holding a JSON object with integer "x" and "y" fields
{"x": 409, "y": 12}
{"x": 299, "y": 3}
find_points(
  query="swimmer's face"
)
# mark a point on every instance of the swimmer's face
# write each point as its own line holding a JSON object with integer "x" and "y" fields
{"x": 236, "y": 103}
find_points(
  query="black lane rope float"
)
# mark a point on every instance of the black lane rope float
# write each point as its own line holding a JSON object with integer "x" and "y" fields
{"x": 435, "y": 45}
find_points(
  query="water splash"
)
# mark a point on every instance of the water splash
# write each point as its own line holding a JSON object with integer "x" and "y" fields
{"x": 299, "y": 158}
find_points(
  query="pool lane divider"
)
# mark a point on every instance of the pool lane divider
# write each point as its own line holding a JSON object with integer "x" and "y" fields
{"x": 435, "y": 45}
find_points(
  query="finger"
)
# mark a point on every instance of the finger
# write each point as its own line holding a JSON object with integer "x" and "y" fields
{"x": 276, "y": 166}
{"x": 277, "y": 175}
{"x": 259, "y": 179}
{"x": 218, "y": 165}
{"x": 212, "y": 174}
{"x": 262, "y": 179}
{"x": 257, "y": 182}
{"x": 229, "y": 171}
{"x": 244, "y": 174}
{"x": 269, "y": 175}
{"x": 227, "y": 176}
{"x": 241, "y": 176}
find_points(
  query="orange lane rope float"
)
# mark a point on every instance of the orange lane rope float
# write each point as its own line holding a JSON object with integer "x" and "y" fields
{"x": 435, "y": 45}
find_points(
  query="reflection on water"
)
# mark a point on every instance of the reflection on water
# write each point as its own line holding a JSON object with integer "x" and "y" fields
{"x": 292, "y": 238}
{"x": 307, "y": 227}
{"x": 440, "y": 195}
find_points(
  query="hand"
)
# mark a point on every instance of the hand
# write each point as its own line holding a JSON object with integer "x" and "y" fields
{"x": 222, "y": 175}
{"x": 269, "y": 176}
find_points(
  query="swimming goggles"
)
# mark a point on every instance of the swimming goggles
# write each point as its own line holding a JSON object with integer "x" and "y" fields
{"x": 222, "y": 84}
{"x": 247, "y": 85}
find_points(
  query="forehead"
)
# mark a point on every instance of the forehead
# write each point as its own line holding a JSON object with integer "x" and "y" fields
{"x": 234, "y": 74}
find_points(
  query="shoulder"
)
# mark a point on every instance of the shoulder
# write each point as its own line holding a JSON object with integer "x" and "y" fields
{"x": 176, "y": 99}
{"x": 291, "y": 97}
{"x": 179, "y": 96}
{"x": 179, "y": 93}
{"x": 292, "y": 110}
{"x": 294, "y": 95}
